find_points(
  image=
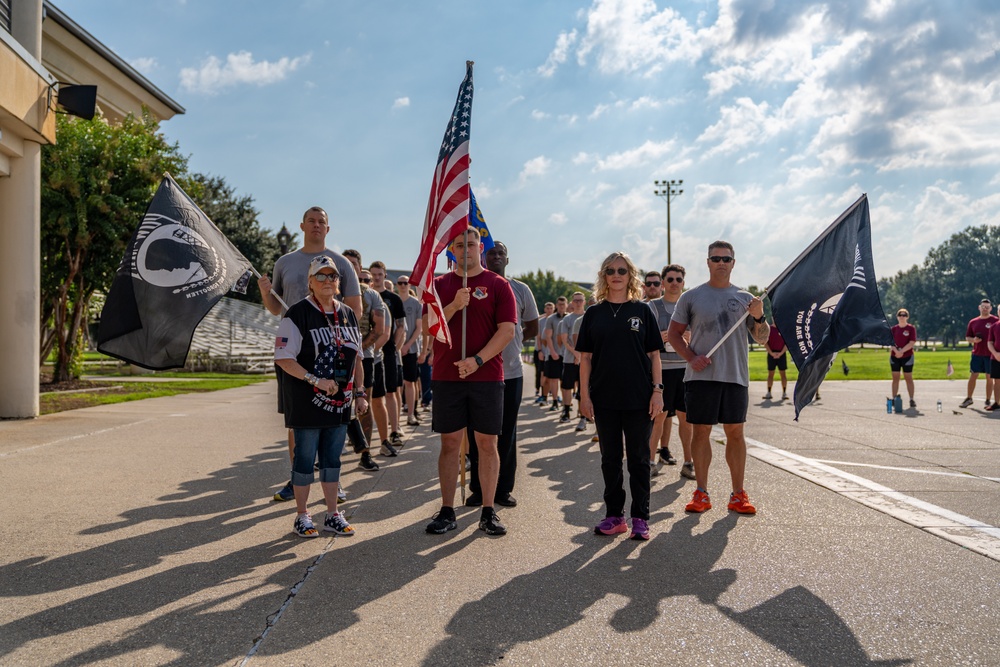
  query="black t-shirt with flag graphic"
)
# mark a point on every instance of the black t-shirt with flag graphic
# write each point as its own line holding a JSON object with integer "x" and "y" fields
{"x": 327, "y": 345}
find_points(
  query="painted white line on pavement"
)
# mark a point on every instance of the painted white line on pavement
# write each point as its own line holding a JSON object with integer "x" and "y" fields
{"x": 914, "y": 470}
{"x": 957, "y": 528}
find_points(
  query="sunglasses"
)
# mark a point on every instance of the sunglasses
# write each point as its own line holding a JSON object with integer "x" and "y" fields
{"x": 716, "y": 259}
{"x": 402, "y": 282}
{"x": 621, "y": 270}
{"x": 902, "y": 315}
{"x": 366, "y": 281}
{"x": 653, "y": 283}
{"x": 578, "y": 301}
{"x": 671, "y": 279}
{"x": 325, "y": 277}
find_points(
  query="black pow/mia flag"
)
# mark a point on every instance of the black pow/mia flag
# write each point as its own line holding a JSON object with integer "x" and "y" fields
{"x": 828, "y": 300}
{"x": 176, "y": 267}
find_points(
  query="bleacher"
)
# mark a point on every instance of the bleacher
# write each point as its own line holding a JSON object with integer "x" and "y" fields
{"x": 235, "y": 336}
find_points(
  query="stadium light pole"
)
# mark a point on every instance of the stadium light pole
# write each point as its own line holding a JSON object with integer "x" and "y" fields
{"x": 668, "y": 190}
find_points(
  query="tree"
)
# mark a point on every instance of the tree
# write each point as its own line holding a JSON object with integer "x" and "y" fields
{"x": 237, "y": 218}
{"x": 97, "y": 181}
{"x": 546, "y": 286}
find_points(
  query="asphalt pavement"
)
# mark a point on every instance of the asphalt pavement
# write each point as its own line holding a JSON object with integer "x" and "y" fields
{"x": 144, "y": 534}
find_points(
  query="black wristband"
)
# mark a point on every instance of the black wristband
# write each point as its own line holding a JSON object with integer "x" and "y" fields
{"x": 761, "y": 320}
{"x": 479, "y": 360}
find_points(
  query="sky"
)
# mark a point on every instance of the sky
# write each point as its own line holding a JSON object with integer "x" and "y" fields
{"x": 777, "y": 116}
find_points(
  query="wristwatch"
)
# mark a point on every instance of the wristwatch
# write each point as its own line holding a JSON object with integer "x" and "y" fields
{"x": 657, "y": 386}
{"x": 479, "y": 360}
{"x": 761, "y": 320}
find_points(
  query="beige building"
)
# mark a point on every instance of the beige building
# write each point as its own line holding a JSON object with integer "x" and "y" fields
{"x": 39, "y": 48}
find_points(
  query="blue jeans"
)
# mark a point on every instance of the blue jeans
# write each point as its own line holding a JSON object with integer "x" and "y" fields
{"x": 329, "y": 443}
{"x": 425, "y": 384}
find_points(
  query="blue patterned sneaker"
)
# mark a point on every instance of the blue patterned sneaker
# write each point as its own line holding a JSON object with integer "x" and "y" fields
{"x": 285, "y": 494}
{"x": 336, "y": 523}
{"x": 611, "y": 526}
{"x": 640, "y": 529}
{"x": 304, "y": 527}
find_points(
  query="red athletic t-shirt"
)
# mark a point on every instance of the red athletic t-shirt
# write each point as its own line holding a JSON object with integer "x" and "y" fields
{"x": 995, "y": 337}
{"x": 903, "y": 336}
{"x": 981, "y": 327}
{"x": 492, "y": 302}
{"x": 775, "y": 342}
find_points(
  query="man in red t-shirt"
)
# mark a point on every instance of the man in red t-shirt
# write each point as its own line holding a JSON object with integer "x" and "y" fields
{"x": 977, "y": 334}
{"x": 468, "y": 384}
{"x": 777, "y": 359}
{"x": 993, "y": 346}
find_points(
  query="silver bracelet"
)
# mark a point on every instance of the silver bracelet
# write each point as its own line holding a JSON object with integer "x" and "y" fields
{"x": 311, "y": 379}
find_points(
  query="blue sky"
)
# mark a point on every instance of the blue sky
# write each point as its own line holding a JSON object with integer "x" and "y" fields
{"x": 777, "y": 116}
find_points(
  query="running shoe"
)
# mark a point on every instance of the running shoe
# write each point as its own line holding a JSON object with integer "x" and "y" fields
{"x": 336, "y": 523}
{"x": 490, "y": 523}
{"x": 341, "y": 495}
{"x": 564, "y": 418}
{"x": 739, "y": 502}
{"x": 553, "y": 407}
{"x": 687, "y": 470}
{"x": 700, "y": 502}
{"x": 582, "y": 424}
{"x": 654, "y": 470}
{"x": 966, "y": 403}
{"x": 474, "y": 500}
{"x": 640, "y": 530}
{"x": 611, "y": 525}
{"x": 666, "y": 457}
{"x": 413, "y": 420}
{"x": 304, "y": 527}
{"x": 784, "y": 396}
{"x": 285, "y": 494}
{"x": 987, "y": 404}
{"x": 387, "y": 449}
{"x": 767, "y": 396}
{"x": 993, "y": 408}
{"x": 507, "y": 501}
{"x": 540, "y": 400}
{"x": 913, "y": 403}
{"x": 595, "y": 439}
{"x": 442, "y": 523}
{"x": 368, "y": 463}
{"x": 396, "y": 439}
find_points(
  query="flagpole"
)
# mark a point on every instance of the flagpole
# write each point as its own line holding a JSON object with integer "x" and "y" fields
{"x": 788, "y": 269}
{"x": 464, "y": 451}
{"x": 273, "y": 293}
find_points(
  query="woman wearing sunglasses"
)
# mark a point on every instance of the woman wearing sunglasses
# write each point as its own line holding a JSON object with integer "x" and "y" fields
{"x": 904, "y": 337}
{"x": 317, "y": 347}
{"x": 621, "y": 388}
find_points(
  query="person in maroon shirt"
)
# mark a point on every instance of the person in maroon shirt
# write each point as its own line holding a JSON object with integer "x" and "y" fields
{"x": 904, "y": 337}
{"x": 468, "y": 391}
{"x": 777, "y": 359}
{"x": 977, "y": 334}
{"x": 993, "y": 346}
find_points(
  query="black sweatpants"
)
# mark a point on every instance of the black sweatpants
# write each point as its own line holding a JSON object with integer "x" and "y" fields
{"x": 635, "y": 427}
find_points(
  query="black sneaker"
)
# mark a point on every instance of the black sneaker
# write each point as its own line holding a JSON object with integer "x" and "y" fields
{"x": 507, "y": 501}
{"x": 396, "y": 439}
{"x": 442, "y": 523}
{"x": 474, "y": 500}
{"x": 913, "y": 403}
{"x": 966, "y": 403}
{"x": 490, "y": 523}
{"x": 564, "y": 417}
{"x": 687, "y": 470}
{"x": 285, "y": 494}
{"x": 387, "y": 449}
{"x": 667, "y": 457}
{"x": 367, "y": 462}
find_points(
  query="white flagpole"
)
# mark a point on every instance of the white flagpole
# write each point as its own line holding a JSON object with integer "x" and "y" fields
{"x": 275, "y": 294}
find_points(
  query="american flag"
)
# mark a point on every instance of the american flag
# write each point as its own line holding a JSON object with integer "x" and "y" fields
{"x": 448, "y": 206}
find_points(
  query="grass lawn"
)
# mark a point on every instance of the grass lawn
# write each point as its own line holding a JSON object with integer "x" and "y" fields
{"x": 873, "y": 364}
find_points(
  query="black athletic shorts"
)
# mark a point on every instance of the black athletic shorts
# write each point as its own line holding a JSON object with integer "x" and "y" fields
{"x": 995, "y": 374}
{"x": 279, "y": 375}
{"x": 368, "y": 367}
{"x": 553, "y": 369}
{"x": 458, "y": 405}
{"x": 410, "y": 371}
{"x": 570, "y": 376}
{"x": 905, "y": 364}
{"x": 378, "y": 384}
{"x": 710, "y": 402}
{"x": 779, "y": 364}
{"x": 673, "y": 391}
{"x": 390, "y": 373}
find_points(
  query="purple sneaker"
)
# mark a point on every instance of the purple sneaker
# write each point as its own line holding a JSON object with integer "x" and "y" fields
{"x": 611, "y": 525}
{"x": 640, "y": 530}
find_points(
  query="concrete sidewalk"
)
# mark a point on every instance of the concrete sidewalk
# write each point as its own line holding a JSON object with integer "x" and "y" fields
{"x": 143, "y": 533}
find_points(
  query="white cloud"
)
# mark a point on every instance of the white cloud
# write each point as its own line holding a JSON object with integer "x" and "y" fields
{"x": 145, "y": 65}
{"x": 644, "y": 154}
{"x": 534, "y": 168}
{"x": 539, "y": 115}
{"x": 558, "y": 219}
{"x": 401, "y": 103}
{"x": 559, "y": 53}
{"x": 214, "y": 76}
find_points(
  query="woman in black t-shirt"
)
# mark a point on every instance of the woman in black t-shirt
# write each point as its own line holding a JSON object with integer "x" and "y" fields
{"x": 621, "y": 388}
{"x": 318, "y": 346}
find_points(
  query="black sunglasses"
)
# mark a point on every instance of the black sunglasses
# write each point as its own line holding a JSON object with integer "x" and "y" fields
{"x": 365, "y": 280}
{"x": 671, "y": 279}
{"x": 402, "y": 282}
{"x": 324, "y": 277}
{"x": 621, "y": 270}
{"x": 652, "y": 283}
{"x": 717, "y": 259}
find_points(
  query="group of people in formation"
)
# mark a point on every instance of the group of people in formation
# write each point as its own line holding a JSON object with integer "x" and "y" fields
{"x": 351, "y": 352}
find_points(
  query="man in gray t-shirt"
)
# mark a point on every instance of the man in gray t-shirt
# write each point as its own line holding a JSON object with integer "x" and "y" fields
{"x": 410, "y": 347}
{"x": 553, "y": 352}
{"x": 716, "y": 388}
{"x": 570, "y": 358}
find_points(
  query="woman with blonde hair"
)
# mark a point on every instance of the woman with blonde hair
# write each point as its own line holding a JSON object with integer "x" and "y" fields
{"x": 621, "y": 388}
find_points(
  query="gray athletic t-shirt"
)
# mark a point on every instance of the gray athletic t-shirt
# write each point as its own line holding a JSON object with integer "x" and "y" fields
{"x": 413, "y": 309}
{"x": 552, "y": 326}
{"x": 370, "y": 301}
{"x": 526, "y": 311}
{"x": 566, "y": 329}
{"x": 711, "y": 312}
{"x": 669, "y": 360}
{"x": 291, "y": 275}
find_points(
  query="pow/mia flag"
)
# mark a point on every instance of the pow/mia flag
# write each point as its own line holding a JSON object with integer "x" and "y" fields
{"x": 176, "y": 267}
{"x": 828, "y": 300}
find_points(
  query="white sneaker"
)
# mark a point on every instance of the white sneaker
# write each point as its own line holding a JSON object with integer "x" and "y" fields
{"x": 767, "y": 396}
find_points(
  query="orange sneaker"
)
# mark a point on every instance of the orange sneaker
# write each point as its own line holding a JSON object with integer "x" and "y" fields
{"x": 699, "y": 503}
{"x": 739, "y": 502}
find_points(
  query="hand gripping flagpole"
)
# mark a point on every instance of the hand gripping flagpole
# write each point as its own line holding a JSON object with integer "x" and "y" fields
{"x": 273, "y": 293}
{"x": 788, "y": 269}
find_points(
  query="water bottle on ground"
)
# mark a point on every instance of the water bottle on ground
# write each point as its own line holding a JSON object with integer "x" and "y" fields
{"x": 888, "y": 406}
{"x": 939, "y": 405}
